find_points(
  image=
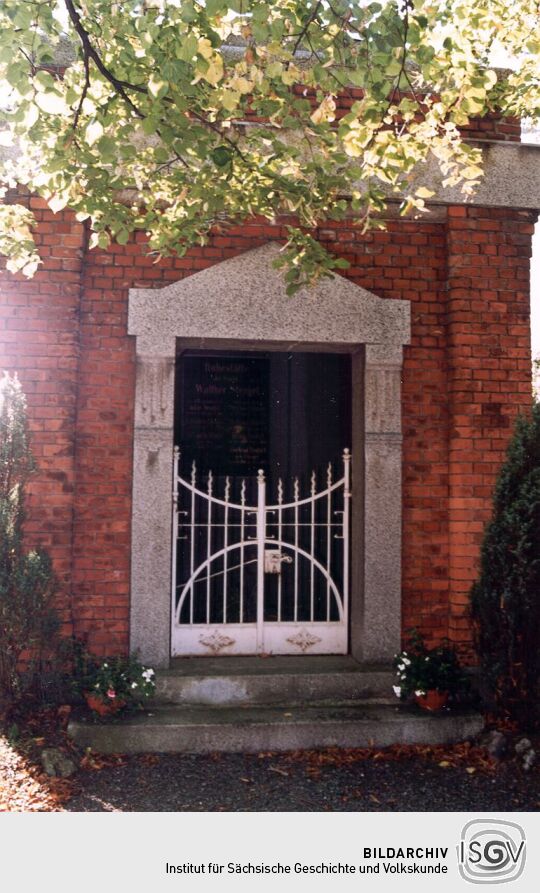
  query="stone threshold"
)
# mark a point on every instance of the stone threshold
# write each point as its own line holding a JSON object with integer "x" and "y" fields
{"x": 269, "y": 664}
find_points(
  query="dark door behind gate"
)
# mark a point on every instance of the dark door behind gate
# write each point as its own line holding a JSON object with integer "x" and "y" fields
{"x": 287, "y": 415}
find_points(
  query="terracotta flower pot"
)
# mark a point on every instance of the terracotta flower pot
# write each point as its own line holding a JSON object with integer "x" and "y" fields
{"x": 433, "y": 700}
{"x": 101, "y": 707}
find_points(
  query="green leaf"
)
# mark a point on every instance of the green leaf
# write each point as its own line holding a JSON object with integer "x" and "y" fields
{"x": 107, "y": 148}
{"x": 221, "y": 156}
{"x": 187, "y": 49}
{"x": 214, "y": 7}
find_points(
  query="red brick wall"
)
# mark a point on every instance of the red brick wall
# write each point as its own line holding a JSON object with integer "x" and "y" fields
{"x": 466, "y": 373}
{"x": 489, "y": 372}
{"x": 39, "y": 339}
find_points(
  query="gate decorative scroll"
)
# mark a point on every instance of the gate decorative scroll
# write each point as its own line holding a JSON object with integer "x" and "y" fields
{"x": 250, "y": 577}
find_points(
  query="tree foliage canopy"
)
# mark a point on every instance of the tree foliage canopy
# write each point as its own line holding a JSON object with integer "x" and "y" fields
{"x": 177, "y": 115}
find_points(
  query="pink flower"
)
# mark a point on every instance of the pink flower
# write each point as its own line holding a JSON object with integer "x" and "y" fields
{"x": 111, "y": 693}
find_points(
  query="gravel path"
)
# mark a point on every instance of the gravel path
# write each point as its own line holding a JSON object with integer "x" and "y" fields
{"x": 302, "y": 782}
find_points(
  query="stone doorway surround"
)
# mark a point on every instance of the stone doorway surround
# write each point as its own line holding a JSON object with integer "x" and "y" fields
{"x": 241, "y": 304}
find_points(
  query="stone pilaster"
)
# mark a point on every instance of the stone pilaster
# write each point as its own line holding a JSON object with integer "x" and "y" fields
{"x": 151, "y": 523}
{"x": 378, "y": 613}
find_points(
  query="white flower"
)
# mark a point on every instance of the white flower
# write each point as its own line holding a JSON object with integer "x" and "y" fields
{"x": 134, "y": 685}
{"x": 397, "y": 690}
{"x": 426, "y": 658}
{"x": 401, "y": 666}
{"x": 406, "y": 661}
{"x": 105, "y": 666}
{"x": 147, "y": 675}
{"x": 419, "y": 693}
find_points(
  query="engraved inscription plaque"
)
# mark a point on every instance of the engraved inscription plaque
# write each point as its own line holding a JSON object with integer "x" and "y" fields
{"x": 224, "y": 417}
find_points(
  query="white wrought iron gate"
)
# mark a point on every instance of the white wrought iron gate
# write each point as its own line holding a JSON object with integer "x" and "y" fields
{"x": 250, "y": 577}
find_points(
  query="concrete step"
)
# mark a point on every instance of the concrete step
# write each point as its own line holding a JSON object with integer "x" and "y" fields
{"x": 183, "y": 729}
{"x": 273, "y": 680}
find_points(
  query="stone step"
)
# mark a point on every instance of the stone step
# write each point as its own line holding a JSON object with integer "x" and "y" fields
{"x": 273, "y": 680}
{"x": 183, "y": 729}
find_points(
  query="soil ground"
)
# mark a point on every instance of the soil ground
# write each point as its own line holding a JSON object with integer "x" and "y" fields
{"x": 303, "y": 782}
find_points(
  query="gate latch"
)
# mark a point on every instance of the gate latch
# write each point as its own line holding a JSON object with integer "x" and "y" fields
{"x": 273, "y": 559}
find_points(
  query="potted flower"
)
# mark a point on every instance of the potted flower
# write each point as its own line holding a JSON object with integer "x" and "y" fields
{"x": 114, "y": 683}
{"x": 430, "y": 675}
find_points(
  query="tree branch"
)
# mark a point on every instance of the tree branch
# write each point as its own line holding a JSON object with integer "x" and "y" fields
{"x": 84, "y": 90}
{"x": 91, "y": 53}
{"x": 311, "y": 18}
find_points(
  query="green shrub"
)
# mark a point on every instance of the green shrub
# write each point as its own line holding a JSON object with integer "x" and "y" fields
{"x": 28, "y": 621}
{"x": 505, "y": 601}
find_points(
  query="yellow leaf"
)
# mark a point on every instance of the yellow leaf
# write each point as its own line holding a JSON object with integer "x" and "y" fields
{"x": 242, "y": 85}
{"x": 157, "y": 88}
{"x": 56, "y": 203}
{"x": 204, "y": 48}
{"x": 93, "y": 132}
{"x": 214, "y": 73}
{"x": 472, "y": 172}
{"x": 230, "y": 100}
{"x": 52, "y": 103}
{"x": 31, "y": 116}
{"x": 444, "y": 764}
{"x": 325, "y": 112}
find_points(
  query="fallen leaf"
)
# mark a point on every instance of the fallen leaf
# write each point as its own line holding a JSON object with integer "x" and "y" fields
{"x": 149, "y": 759}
